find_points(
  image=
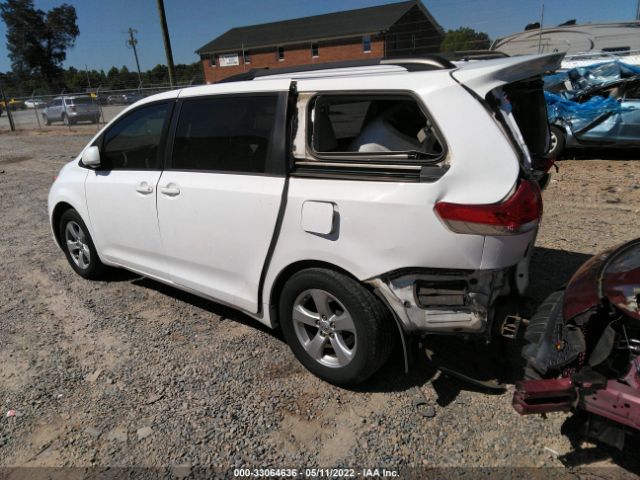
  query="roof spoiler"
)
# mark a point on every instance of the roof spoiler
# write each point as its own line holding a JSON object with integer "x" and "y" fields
{"x": 482, "y": 77}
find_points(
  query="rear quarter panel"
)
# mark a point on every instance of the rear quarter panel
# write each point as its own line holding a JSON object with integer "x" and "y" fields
{"x": 384, "y": 226}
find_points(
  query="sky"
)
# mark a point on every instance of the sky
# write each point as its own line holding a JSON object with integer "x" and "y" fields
{"x": 192, "y": 23}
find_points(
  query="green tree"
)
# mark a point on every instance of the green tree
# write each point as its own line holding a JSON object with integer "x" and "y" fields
{"x": 464, "y": 38}
{"x": 37, "y": 40}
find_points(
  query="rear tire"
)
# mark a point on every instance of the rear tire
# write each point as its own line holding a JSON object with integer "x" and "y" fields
{"x": 558, "y": 141}
{"x": 78, "y": 246}
{"x": 337, "y": 329}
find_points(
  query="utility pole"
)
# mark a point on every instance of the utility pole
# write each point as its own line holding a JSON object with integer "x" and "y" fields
{"x": 540, "y": 34}
{"x": 132, "y": 42}
{"x": 638, "y": 11}
{"x": 167, "y": 41}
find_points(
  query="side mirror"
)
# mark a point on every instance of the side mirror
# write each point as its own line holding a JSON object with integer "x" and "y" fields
{"x": 91, "y": 157}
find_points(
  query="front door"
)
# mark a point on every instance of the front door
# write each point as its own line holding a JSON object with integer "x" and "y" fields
{"x": 218, "y": 200}
{"x": 121, "y": 194}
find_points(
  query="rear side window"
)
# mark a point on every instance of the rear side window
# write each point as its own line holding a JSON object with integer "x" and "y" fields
{"x": 133, "y": 142}
{"x": 376, "y": 125}
{"x": 226, "y": 134}
{"x": 79, "y": 101}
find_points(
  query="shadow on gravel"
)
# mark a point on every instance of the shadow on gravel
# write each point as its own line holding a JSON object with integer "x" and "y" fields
{"x": 224, "y": 312}
{"x": 585, "y": 455}
{"x": 551, "y": 269}
{"x": 120, "y": 275}
{"x": 600, "y": 154}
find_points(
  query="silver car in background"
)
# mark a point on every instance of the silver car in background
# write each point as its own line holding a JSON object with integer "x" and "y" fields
{"x": 71, "y": 109}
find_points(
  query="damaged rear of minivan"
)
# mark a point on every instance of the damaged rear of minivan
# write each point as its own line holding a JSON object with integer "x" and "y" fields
{"x": 424, "y": 187}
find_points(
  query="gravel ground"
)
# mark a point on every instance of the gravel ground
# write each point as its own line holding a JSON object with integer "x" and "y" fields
{"x": 128, "y": 372}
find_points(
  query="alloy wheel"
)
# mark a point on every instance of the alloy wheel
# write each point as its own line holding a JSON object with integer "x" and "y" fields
{"x": 77, "y": 244}
{"x": 324, "y": 328}
{"x": 554, "y": 142}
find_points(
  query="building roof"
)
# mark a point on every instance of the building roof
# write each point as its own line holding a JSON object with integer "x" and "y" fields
{"x": 370, "y": 20}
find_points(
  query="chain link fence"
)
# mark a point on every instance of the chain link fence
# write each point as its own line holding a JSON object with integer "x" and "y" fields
{"x": 53, "y": 112}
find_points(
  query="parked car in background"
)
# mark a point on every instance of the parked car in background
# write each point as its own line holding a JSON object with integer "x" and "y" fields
{"x": 99, "y": 98}
{"x": 34, "y": 103}
{"x": 346, "y": 205}
{"x": 124, "y": 98}
{"x": 71, "y": 110}
{"x": 13, "y": 104}
{"x": 116, "y": 99}
{"x": 595, "y": 106}
{"x": 133, "y": 97}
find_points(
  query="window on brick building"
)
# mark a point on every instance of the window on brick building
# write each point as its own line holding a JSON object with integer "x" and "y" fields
{"x": 314, "y": 50}
{"x": 366, "y": 44}
{"x": 246, "y": 57}
{"x": 280, "y": 53}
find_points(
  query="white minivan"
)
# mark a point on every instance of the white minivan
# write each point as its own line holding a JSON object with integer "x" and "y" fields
{"x": 350, "y": 205}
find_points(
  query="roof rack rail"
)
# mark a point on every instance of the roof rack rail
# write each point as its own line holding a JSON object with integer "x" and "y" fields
{"x": 474, "y": 55}
{"x": 412, "y": 64}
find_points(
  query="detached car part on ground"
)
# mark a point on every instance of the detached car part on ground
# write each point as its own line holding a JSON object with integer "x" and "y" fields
{"x": 347, "y": 205}
{"x": 584, "y": 348}
{"x": 597, "y": 106}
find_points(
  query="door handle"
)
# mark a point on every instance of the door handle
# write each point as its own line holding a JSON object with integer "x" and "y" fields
{"x": 170, "y": 190}
{"x": 144, "y": 188}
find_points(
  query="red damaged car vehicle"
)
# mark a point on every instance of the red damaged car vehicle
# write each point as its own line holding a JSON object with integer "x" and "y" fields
{"x": 583, "y": 348}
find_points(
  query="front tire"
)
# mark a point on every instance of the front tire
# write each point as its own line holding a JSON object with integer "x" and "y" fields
{"x": 46, "y": 120}
{"x": 78, "y": 246}
{"x": 336, "y": 328}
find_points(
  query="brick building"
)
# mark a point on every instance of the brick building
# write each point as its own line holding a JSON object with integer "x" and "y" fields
{"x": 404, "y": 28}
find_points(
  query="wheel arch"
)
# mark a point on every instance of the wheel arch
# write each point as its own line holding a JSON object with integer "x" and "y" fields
{"x": 287, "y": 272}
{"x": 56, "y": 215}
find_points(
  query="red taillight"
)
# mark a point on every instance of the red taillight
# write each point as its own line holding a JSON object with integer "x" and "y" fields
{"x": 519, "y": 213}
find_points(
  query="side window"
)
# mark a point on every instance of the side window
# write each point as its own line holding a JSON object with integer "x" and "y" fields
{"x": 632, "y": 91}
{"x": 228, "y": 134}
{"x": 373, "y": 124}
{"x": 133, "y": 142}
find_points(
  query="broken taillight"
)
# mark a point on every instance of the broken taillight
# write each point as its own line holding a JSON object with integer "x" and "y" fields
{"x": 519, "y": 213}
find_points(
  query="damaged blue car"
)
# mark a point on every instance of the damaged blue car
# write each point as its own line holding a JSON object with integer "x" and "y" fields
{"x": 597, "y": 106}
